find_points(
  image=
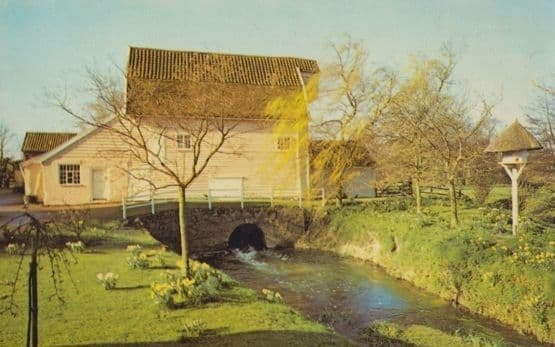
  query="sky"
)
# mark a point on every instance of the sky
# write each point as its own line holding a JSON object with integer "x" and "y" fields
{"x": 45, "y": 46}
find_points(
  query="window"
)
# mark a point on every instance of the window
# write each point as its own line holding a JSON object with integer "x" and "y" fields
{"x": 283, "y": 143}
{"x": 183, "y": 141}
{"x": 70, "y": 174}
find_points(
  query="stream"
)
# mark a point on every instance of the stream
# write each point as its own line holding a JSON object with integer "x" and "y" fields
{"x": 347, "y": 294}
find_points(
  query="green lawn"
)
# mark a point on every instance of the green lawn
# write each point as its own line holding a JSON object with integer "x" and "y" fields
{"x": 127, "y": 314}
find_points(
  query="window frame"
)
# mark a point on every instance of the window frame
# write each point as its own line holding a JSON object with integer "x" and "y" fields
{"x": 279, "y": 144}
{"x": 179, "y": 143}
{"x": 74, "y": 168}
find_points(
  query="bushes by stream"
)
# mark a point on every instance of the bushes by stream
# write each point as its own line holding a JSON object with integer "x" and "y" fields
{"x": 475, "y": 266}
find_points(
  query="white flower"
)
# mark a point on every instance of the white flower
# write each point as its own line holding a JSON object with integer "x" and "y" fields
{"x": 99, "y": 276}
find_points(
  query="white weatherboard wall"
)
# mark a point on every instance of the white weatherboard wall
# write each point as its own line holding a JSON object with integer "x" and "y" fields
{"x": 249, "y": 154}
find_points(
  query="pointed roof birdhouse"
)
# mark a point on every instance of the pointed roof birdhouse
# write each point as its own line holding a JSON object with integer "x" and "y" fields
{"x": 514, "y": 138}
{"x": 514, "y": 142}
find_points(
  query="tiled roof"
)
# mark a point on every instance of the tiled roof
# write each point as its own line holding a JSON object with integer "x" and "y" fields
{"x": 514, "y": 138}
{"x": 161, "y": 64}
{"x": 192, "y": 84}
{"x": 41, "y": 142}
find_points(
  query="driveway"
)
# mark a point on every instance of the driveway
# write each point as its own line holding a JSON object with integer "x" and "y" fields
{"x": 11, "y": 205}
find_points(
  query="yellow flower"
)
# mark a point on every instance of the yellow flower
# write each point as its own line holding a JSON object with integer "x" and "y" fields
{"x": 188, "y": 282}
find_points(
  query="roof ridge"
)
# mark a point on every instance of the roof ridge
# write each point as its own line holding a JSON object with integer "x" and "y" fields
{"x": 50, "y": 132}
{"x": 222, "y": 54}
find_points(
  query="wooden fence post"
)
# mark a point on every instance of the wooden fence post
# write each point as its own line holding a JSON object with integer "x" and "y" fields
{"x": 123, "y": 208}
{"x": 209, "y": 199}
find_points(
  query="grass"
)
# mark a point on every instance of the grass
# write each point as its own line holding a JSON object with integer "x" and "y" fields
{"x": 419, "y": 335}
{"x": 127, "y": 314}
{"x": 496, "y": 275}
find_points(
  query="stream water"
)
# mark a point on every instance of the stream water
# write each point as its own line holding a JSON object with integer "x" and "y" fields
{"x": 348, "y": 294}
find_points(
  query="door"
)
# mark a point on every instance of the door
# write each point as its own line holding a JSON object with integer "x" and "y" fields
{"x": 99, "y": 184}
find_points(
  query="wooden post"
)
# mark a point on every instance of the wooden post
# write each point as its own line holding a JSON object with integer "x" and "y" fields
{"x": 209, "y": 199}
{"x": 123, "y": 208}
{"x": 152, "y": 211}
{"x": 272, "y": 196}
{"x": 242, "y": 197}
{"x": 514, "y": 174}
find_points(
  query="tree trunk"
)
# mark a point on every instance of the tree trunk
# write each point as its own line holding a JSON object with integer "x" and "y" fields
{"x": 417, "y": 194}
{"x": 33, "y": 321}
{"x": 339, "y": 196}
{"x": 453, "y": 201}
{"x": 183, "y": 231}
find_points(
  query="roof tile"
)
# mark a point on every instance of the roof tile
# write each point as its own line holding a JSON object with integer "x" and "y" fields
{"x": 40, "y": 142}
{"x": 161, "y": 64}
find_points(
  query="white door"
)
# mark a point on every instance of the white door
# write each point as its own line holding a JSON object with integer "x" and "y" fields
{"x": 99, "y": 184}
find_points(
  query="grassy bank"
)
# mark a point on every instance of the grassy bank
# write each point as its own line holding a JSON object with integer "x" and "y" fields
{"x": 494, "y": 274}
{"x": 127, "y": 314}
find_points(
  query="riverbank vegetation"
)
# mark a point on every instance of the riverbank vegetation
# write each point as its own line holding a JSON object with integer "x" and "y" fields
{"x": 478, "y": 264}
{"x": 108, "y": 301}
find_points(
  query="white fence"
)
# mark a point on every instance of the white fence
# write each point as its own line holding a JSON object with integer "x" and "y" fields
{"x": 211, "y": 196}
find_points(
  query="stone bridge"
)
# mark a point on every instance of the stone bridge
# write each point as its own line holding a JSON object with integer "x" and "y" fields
{"x": 210, "y": 230}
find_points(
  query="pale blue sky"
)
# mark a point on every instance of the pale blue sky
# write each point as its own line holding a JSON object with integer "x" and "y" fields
{"x": 503, "y": 45}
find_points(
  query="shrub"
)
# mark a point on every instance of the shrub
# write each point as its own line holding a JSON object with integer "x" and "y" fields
{"x": 203, "y": 284}
{"x": 134, "y": 249}
{"x": 390, "y": 204}
{"x": 162, "y": 294}
{"x": 160, "y": 260}
{"x": 193, "y": 328}
{"x": 139, "y": 261}
{"x": 427, "y": 218}
{"x": 498, "y": 218}
{"x": 272, "y": 296}
{"x": 15, "y": 248}
{"x": 541, "y": 204}
{"x": 108, "y": 280}
{"x": 76, "y": 247}
{"x": 383, "y": 328}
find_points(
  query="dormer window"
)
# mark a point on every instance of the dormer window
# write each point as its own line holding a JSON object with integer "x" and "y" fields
{"x": 183, "y": 141}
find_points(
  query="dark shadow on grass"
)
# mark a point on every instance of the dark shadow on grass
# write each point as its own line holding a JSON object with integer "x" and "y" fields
{"x": 255, "y": 338}
{"x": 132, "y": 287}
{"x": 93, "y": 251}
{"x": 262, "y": 338}
{"x": 165, "y": 267}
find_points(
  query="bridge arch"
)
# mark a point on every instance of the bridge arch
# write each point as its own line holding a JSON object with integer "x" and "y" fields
{"x": 247, "y": 235}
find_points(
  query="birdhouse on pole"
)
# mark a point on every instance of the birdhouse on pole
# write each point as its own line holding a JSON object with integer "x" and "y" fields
{"x": 513, "y": 143}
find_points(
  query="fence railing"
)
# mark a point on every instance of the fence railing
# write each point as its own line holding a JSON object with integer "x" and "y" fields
{"x": 209, "y": 197}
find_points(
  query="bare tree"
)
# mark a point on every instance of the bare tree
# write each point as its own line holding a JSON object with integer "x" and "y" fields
{"x": 163, "y": 115}
{"x": 430, "y": 129}
{"x": 37, "y": 239}
{"x": 6, "y": 167}
{"x": 541, "y": 117}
